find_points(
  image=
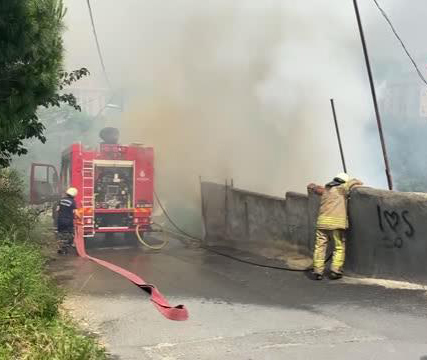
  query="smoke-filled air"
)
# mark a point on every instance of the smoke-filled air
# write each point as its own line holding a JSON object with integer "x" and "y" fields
{"x": 238, "y": 89}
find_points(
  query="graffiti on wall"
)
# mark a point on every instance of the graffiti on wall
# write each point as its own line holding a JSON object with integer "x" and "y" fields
{"x": 396, "y": 225}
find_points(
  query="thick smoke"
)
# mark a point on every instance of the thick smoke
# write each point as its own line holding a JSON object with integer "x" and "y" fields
{"x": 401, "y": 97}
{"x": 239, "y": 89}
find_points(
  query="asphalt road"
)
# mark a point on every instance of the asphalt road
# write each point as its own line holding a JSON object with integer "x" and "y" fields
{"x": 239, "y": 311}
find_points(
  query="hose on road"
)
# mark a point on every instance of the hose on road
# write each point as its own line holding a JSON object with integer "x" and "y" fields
{"x": 178, "y": 312}
{"x": 152, "y": 247}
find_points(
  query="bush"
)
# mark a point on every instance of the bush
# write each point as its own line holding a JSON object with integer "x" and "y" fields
{"x": 16, "y": 219}
{"x": 22, "y": 279}
{"x": 31, "y": 326}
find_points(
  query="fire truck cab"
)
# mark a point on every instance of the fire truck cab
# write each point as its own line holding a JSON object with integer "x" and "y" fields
{"x": 115, "y": 184}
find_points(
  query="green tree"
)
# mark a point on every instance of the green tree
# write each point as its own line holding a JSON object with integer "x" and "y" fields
{"x": 64, "y": 126}
{"x": 31, "y": 70}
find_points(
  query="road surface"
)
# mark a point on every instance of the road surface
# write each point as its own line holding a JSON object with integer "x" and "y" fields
{"x": 238, "y": 311}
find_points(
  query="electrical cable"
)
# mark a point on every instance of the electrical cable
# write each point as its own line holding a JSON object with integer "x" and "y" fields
{"x": 210, "y": 249}
{"x": 172, "y": 222}
{"x": 384, "y": 14}
{"x": 101, "y": 59}
{"x": 249, "y": 262}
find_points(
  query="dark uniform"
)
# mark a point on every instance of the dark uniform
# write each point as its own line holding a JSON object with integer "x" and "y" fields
{"x": 66, "y": 208}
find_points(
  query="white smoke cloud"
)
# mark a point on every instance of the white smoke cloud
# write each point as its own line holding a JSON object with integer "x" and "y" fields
{"x": 239, "y": 89}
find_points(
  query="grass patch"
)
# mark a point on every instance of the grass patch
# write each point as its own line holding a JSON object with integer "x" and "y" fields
{"x": 31, "y": 325}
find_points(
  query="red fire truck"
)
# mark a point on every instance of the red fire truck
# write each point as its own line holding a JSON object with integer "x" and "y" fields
{"x": 115, "y": 184}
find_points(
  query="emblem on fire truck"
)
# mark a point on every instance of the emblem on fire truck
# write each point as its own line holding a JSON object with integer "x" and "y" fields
{"x": 142, "y": 176}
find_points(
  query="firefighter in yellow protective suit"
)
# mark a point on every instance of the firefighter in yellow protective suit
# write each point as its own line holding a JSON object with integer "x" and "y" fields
{"x": 331, "y": 224}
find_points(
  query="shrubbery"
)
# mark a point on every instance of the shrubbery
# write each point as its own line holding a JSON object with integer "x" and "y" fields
{"x": 31, "y": 326}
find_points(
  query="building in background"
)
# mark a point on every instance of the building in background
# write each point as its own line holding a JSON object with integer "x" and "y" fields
{"x": 404, "y": 95}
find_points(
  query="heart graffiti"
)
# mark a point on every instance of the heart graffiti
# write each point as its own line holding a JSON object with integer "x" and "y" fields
{"x": 393, "y": 219}
{"x": 398, "y": 223}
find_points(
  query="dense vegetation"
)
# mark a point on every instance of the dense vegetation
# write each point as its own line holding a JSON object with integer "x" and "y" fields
{"x": 31, "y": 323}
{"x": 31, "y": 70}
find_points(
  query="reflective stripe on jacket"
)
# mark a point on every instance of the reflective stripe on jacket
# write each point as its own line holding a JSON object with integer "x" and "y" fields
{"x": 333, "y": 206}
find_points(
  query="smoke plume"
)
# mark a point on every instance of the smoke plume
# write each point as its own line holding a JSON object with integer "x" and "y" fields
{"x": 240, "y": 89}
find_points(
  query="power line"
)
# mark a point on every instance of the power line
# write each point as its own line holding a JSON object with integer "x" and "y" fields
{"x": 384, "y": 14}
{"x": 97, "y": 44}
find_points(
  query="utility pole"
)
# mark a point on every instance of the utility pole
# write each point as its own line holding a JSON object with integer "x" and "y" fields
{"x": 374, "y": 97}
{"x": 338, "y": 135}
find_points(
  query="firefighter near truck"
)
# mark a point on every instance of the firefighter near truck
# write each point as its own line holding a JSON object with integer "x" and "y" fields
{"x": 115, "y": 185}
{"x": 115, "y": 193}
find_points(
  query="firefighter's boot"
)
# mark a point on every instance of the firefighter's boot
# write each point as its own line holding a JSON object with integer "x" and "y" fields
{"x": 65, "y": 240}
{"x": 335, "y": 276}
{"x": 316, "y": 276}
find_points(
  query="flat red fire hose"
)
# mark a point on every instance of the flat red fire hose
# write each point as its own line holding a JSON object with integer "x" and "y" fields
{"x": 178, "y": 312}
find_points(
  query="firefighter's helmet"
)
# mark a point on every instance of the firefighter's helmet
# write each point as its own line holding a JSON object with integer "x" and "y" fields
{"x": 342, "y": 177}
{"x": 72, "y": 192}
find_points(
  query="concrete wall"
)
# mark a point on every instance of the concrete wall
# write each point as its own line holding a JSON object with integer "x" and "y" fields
{"x": 213, "y": 212}
{"x": 298, "y": 221}
{"x": 255, "y": 221}
{"x": 251, "y": 221}
{"x": 388, "y": 235}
